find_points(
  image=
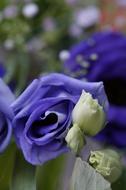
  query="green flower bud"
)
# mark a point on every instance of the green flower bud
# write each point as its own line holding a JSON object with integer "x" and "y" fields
{"x": 75, "y": 139}
{"x": 88, "y": 114}
{"x": 106, "y": 162}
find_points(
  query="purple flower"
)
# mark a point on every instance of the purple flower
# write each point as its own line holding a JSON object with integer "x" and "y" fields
{"x": 10, "y": 12}
{"x": 43, "y": 114}
{"x": 6, "y": 115}
{"x": 103, "y": 58}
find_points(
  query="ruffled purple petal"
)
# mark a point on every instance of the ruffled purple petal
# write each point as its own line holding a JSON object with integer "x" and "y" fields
{"x": 26, "y": 96}
{"x": 37, "y": 155}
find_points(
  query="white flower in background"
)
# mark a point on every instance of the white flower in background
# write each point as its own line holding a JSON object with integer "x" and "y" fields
{"x": 9, "y": 44}
{"x": 87, "y": 17}
{"x": 75, "y": 30}
{"x": 64, "y": 55}
{"x": 88, "y": 114}
{"x": 30, "y": 10}
{"x": 10, "y": 11}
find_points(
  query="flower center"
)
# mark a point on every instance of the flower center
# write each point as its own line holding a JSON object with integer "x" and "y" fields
{"x": 39, "y": 127}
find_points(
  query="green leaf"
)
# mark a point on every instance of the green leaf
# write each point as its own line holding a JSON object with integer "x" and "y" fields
{"x": 23, "y": 174}
{"x": 48, "y": 175}
{"x": 6, "y": 167}
{"x": 85, "y": 177}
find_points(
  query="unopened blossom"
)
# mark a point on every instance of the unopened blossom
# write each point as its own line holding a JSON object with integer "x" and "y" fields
{"x": 75, "y": 139}
{"x": 88, "y": 114}
{"x": 107, "y": 162}
{"x": 88, "y": 118}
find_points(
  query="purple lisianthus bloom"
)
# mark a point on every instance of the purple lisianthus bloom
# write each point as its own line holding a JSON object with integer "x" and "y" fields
{"x": 6, "y": 115}
{"x": 103, "y": 58}
{"x": 43, "y": 114}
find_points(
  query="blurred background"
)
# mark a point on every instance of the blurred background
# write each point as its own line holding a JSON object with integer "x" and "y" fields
{"x": 35, "y": 36}
{"x": 33, "y": 33}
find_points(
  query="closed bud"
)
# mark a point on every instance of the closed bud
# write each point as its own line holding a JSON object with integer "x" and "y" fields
{"x": 75, "y": 139}
{"x": 88, "y": 114}
{"x": 106, "y": 162}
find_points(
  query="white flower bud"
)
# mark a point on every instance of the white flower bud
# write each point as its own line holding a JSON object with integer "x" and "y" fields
{"x": 75, "y": 139}
{"x": 106, "y": 162}
{"x": 88, "y": 114}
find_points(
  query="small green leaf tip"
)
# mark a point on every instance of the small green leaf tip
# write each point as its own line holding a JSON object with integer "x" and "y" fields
{"x": 106, "y": 162}
{"x": 75, "y": 139}
{"x": 88, "y": 114}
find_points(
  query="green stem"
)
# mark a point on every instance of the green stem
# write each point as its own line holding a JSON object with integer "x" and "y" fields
{"x": 23, "y": 174}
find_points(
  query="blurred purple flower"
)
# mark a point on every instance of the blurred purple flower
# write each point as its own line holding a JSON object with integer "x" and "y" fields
{"x": 35, "y": 44}
{"x": 121, "y": 3}
{"x": 75, "y": 30}
{"x": 49, "y": 24}
{"x": 71, "y": 2}
{"x": 10, "y": 11}
{"x": 6, "y": 115}
{"x": 103, "y": 58}
{"x": 43, "y": 114}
